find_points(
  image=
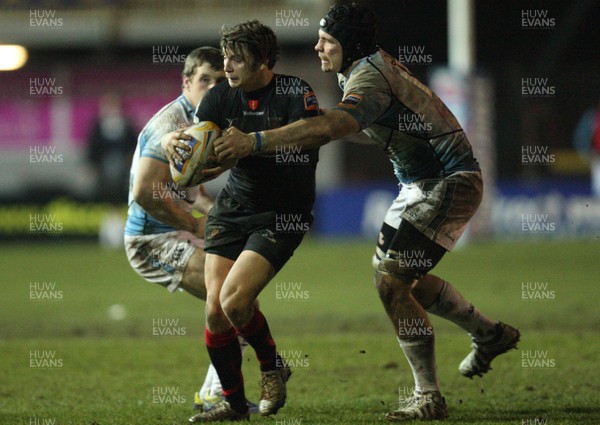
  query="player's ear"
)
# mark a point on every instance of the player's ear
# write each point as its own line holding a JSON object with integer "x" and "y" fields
{"x": 263, "y": 66}
{"x": 186, "y": 83}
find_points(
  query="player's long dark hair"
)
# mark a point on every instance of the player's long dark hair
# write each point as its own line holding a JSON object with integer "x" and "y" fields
{"x": 254, "y": 39}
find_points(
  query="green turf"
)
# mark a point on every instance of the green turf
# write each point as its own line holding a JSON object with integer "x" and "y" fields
{"x": 349, "y": 369}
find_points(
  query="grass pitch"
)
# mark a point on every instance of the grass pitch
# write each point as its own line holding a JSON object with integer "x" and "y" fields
{"x": 68, "y": 357}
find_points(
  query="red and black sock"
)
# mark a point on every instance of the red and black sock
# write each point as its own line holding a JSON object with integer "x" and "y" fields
{"x": 226, "y": 356}
{"x": 258, "y": 335}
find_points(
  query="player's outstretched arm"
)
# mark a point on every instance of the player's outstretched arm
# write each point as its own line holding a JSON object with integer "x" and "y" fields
{"x": 307, "y": 133}
{"x": 152, "y": 189}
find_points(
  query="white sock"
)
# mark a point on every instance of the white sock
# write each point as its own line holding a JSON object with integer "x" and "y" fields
{"x": 210, "y": 374}
{"x": 451, "y": 305}
{"x": 421, "y": 358}
{"x": 243, "y": 344}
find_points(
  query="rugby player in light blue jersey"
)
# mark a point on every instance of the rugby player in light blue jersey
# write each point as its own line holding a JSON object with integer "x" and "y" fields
{"x": 441, "y": 188}
{"x": 164, "y": 234}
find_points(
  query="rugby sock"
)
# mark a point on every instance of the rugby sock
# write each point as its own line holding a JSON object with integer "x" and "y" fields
{"x": 420, "y": 354}
{"x": 451, "y": 305}
{"x": 258, "y": 335}
{"x": 226, "y": 356}
{"x": 207, "y": 386}
{"x": 212, "y": 384}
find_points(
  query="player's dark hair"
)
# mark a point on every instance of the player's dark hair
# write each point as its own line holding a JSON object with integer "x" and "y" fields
{"x": 197, "y": 57}
{"x": 254, "y": 39}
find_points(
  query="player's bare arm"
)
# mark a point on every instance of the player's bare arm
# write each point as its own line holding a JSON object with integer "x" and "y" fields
{"x": 152, "y": 182}
{"x": 359, "y": 138}
{"x": 307, "y": 133}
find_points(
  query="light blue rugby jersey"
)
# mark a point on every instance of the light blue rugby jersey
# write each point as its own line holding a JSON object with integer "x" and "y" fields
{"x": 173, "y": 116}
{"x": 406, "y": 119}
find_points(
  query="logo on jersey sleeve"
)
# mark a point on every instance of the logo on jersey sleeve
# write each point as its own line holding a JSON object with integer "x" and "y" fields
{"x": 350, "y": 101}
{"x": 253, "y": 104}
{"x": 310, "y": 102}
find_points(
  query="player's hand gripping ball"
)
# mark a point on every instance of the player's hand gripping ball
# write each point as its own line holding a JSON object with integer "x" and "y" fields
{"x": 202, "y": 155}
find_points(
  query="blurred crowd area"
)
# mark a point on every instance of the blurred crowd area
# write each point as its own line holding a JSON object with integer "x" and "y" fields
{"x": 127, "y": 4}
{"x": 97, "y": 71}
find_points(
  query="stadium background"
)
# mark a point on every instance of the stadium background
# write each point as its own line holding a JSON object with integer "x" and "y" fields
{"x": 122, "y": 47}
{"x": 536, "y": 236}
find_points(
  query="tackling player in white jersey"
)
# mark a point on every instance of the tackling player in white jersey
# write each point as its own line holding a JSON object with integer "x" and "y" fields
{"x": 164, "y": 231}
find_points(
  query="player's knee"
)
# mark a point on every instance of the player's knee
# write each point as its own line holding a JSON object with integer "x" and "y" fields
{"x": 235, "y": 308}
{"x": 235, "y": 314}
{"x": 391, "y": 287}
{"x": 213, "y": 309}
{"x": 390, "y": 274}
{"x": 214, "y": 315}
{"x": 398, "y": 270}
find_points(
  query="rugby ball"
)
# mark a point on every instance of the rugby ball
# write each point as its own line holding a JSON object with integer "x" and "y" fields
{"x": 201, "y": 156}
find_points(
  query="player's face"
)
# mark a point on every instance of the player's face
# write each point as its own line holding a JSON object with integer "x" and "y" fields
{"x": 330, "y": 52}
{"x": 204, "y": 78}
{"x": 238, "y": 73}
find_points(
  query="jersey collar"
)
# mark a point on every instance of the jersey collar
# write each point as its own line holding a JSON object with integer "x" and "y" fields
{"x": 353, "y": 67}
{"x": 189, "y": 108}
{"x": 257, "y": 94}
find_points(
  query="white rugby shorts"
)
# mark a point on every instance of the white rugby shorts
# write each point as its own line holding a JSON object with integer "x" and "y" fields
{"x": 162, "y": 258}
{"x": 438, "y": 208}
